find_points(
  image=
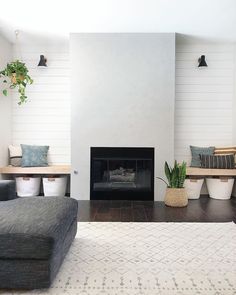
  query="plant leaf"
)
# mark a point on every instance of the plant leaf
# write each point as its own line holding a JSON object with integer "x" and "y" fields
{"x": 4, "y": 92}
{"x": 168, "y": 173}
{"x": 176, "y": 175}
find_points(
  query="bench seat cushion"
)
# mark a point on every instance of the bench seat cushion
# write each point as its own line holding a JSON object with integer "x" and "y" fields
{"x": 35, "y": 227}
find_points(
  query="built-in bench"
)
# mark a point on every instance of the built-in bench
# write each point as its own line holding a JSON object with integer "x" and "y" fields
{"x": 194, "y": 171}
{"x": 10, "y": 172}
{"x": 55, "y": 169}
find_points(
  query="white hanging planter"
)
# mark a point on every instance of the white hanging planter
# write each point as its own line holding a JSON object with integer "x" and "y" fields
{"x": 193, "y": 187}
{"x": 55, "y": 186}
{"x": 28, "y": 186}
{"x": 220, "y": 188}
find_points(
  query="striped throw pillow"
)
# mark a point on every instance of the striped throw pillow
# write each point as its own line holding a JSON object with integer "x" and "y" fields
{"x": 217, "y": 162}
{"x": 225, "y": 150}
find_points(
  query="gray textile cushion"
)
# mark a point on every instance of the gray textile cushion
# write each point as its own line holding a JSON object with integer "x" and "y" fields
{"x": 7, "y": 190}
{"x": 217, "y": 161}
{"x": 15, "y": 153}
{"x": 32, "y": 228}
{"x": 35, "y": 273}
{"x": 197, "y": 151}
{"x": 34, "y": 156}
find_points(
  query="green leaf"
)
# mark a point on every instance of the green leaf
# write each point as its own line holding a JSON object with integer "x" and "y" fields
{"x": 176, "y": 175}
{"x": 168, "y": 173}
{"x": 4, "y": 92}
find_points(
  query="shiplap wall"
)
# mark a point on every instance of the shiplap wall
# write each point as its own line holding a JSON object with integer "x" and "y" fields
{"x": 204, "y": 97}
{"x": 203, "y": 109}
{"x": 45, "y": 118}
{"x": 5, "y": 105}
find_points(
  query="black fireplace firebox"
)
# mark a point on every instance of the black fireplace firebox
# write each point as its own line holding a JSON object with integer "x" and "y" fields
{"x": 121, "y": 173}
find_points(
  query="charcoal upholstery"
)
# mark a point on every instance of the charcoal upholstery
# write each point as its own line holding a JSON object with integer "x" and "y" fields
{"x": 35, "y": 235}
{"x": 31, "y": 227}
{"x": 7, "y": 190}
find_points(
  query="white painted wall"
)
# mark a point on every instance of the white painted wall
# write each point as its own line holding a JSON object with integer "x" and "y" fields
{"x": 211, "y": 19}
{"x": 45, "y": 118}
{"x": 234, "y": 102}
{"x": 234, "y": 112}
{"x": 205, "y": 100}
{"x": 5, "y": 105}
{"x": 123, "y": 88}
{"x": 205, "y": 97}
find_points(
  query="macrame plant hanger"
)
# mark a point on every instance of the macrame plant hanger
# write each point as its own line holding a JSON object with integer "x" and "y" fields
{"x": 18, "y": 53}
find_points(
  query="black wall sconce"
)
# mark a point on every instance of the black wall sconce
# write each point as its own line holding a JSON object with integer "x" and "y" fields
{"x": 202, "y": 61}
{"x": 42, "y": 61}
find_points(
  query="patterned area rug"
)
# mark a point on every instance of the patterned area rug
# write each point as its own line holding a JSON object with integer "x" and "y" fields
{"x": 149, "y": 258}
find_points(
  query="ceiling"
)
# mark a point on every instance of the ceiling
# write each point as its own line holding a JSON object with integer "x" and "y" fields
{"x": 207, "y": 19}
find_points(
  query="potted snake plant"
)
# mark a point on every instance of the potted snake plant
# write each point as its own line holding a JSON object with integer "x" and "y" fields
{"x": 176, "y": 195}
{"x": 16, "y": 76}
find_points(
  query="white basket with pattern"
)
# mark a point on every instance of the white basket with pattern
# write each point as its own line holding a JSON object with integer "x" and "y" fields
{"x": 193, "y": 187}
{"x": 220, "y": 188}
{"x": 54, "y": 186}
{"x": 28, "y": 186}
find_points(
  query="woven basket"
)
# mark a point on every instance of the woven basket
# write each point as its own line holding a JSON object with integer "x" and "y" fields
{"x": 176, "y": 197}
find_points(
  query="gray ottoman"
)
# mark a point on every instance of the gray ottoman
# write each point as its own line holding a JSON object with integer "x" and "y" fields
{"x": 35, "y": 235}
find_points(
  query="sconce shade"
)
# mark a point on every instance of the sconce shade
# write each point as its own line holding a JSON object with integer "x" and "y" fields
{"x": 42, "y": 61}
{"x": 202, "y": 61}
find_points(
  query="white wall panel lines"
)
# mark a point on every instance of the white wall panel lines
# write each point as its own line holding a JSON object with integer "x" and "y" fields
{"x": 45, "y": 119}
{"x": 204, "y": 97}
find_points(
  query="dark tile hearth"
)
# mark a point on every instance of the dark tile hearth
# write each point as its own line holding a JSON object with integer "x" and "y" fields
{"x": 202, "y": 210}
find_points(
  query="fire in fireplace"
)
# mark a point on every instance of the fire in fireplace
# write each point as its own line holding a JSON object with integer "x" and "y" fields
{"x": 122, "y": 173}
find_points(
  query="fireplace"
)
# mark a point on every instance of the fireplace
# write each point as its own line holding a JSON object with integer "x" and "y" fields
{"x": 121, "y": 173}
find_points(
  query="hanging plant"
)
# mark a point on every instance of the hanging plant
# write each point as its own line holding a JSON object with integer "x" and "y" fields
{"x": 17, "y": 74}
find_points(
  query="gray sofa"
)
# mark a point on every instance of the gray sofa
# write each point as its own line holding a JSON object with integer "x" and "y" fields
{"x": 35, "y": 235}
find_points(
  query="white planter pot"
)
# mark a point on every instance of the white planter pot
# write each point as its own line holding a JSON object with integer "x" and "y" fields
{"x": 193, "y": 187}
{"x": 220, "y": 188}
{"x": 55, "y": 186}
{"x": 28, "y": 186}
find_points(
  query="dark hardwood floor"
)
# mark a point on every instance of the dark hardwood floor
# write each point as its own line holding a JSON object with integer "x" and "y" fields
{"x": 202, "y": 210}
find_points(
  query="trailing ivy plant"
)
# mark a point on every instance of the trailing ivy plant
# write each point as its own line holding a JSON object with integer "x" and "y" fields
{"x": 175, "y": 176}
{"x": 16, "y": 75}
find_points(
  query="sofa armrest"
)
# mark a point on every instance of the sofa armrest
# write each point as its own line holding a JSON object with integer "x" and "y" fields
{"x": 7, "y": 190}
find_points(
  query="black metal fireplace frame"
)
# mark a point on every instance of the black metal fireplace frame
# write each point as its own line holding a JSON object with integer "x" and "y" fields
{"x": 131, "y": 153}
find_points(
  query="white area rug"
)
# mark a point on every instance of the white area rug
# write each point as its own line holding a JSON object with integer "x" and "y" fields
{"x": 149, "y": 258}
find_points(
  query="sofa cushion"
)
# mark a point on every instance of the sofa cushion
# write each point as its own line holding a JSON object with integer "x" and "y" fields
{"x": 7, "y": 190}
{"x": 217, "y": 162}
{"x": 32, "y": 228}
{"x": 197, "y": 151}
{"x": 15, "y": 153}
{"x": 34, "y": 155}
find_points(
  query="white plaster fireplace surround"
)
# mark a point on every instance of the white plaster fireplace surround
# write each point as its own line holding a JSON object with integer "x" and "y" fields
{"x": 123, "y": 95}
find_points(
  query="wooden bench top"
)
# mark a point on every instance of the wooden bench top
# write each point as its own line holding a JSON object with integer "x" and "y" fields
{"x": 56, "y": 169}
{"x": 66, "y": 169}
{"x": 194, "y": 171}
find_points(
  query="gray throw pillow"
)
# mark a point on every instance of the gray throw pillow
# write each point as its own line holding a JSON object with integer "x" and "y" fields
{"x": 34, "y": 156}
{"x": 197, "y": 151}
{"x": 15, "y": 153}
{"x": 217, "y": 162}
